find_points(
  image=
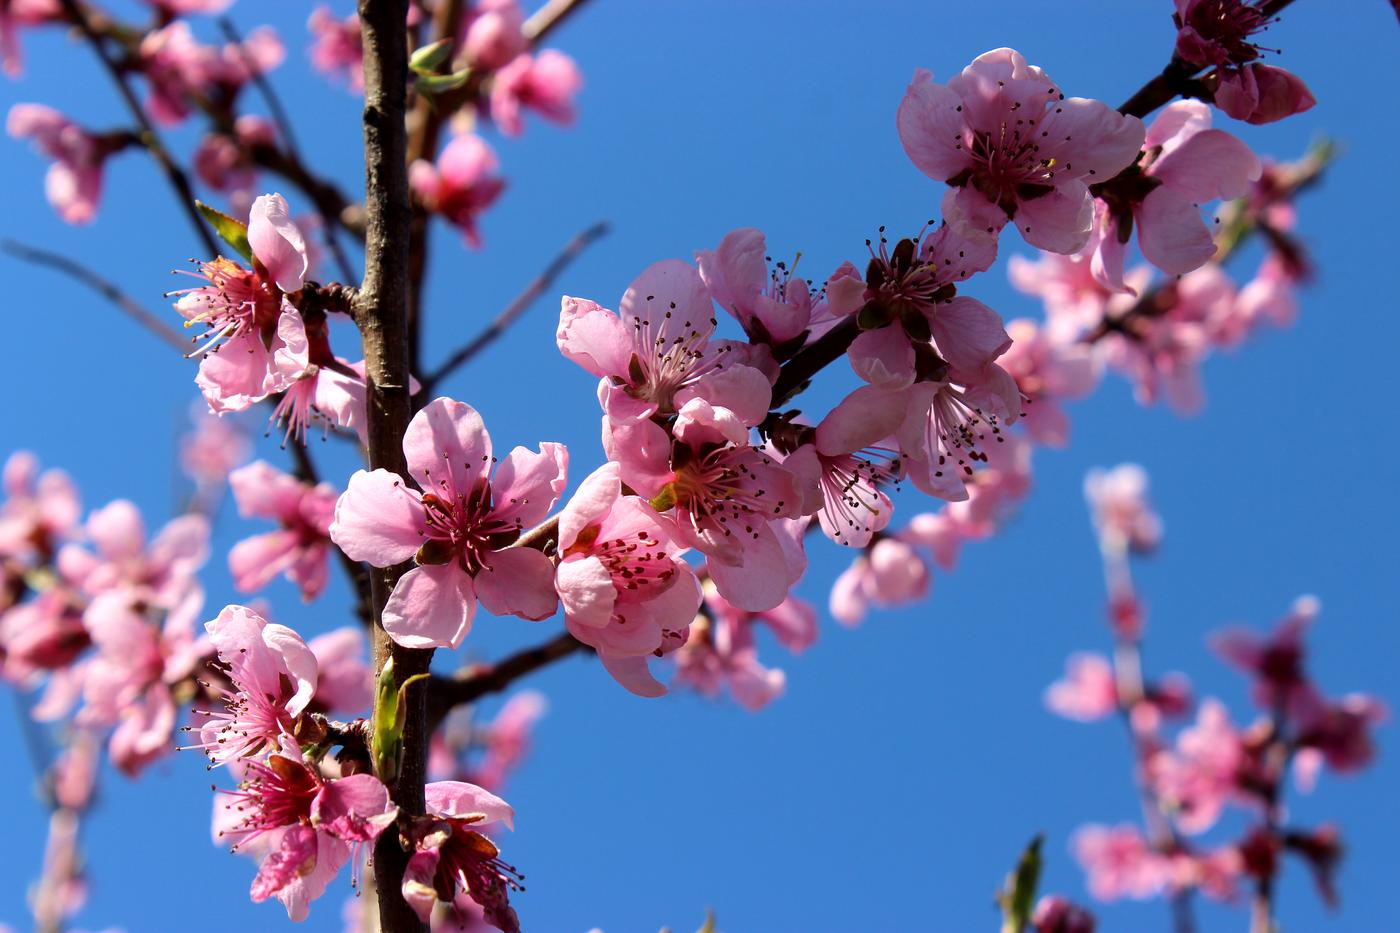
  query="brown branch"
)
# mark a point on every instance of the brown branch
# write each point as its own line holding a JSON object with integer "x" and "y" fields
{"x": 81, "y": 273}
{"x": 811, "y": 359}
{"x": 445, "y": 693}
{"x": 382, "y": 316}
{"x": 178, "y": 180}
{"x": 518, "y": 306}
{"x": 329, "y": 220}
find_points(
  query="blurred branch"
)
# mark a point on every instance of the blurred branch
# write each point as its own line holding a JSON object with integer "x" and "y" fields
{"x": 76, "y": 270}
{"x": 175, "y": 175}
{"x": 329, "y": 221}
{"x": 518, "y": 306}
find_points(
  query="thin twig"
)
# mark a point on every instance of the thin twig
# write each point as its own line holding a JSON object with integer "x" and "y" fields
{"x": 81, "y": 273}
{"x": 518, "y": 306}
{"x": 175, "y": 175}
{"x": 284, "y": 130}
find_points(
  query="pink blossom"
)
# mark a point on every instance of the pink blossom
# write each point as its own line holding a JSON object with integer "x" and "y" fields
{"x": 459, "y": 528}
{"x": 1075, "y": 300}
{"x": 160, "y": 574}
{"x": 1055, "y": 914}
{"x": 624, "y": 589}
{"x": 774, "y": 306}
{"x": 1047, "y": 371}
{"x": 225, "y": 163}
{"x": 1268, "y": 297}
{"x": 1201, "y": 775}
{"x": 729, "y": 498}
{"x": 75, "y": 771}
{"x": 44, "y": 633}
{"x": 273, "y": 675}
{"x": 318, "y": 388}
{"x": 338, "y": 50}
{"x": 302, "y": 828}
{"x": 845, "y": 490}
{"x": 178, "y": 67}
{"x": 453, "y": 857}
{"x": 917, "y": 327}
{"x": 1276, "y": 662}
{"x": 1186, "y": 164}
{"x": 945, "y": 424}
{"x": 890, "y": 573}
{"x": 73, "y": 183}
{"x": 344, "y": 682}
{"x": 1088, "y": 692}
{"x": 721, "y": 652}
{"x": 39, "y": 509}
{"x": 1216, "y": 873}
{"x": 213, "y": 448}
{"x": 461, "y": 185}
{"x": 185, "y": 7}
{"x": 1341, "y": 731}
{"x": 1119, "y": 862}
{"x": 655, "y": 355}
{"x": 246, "y": 317}
{"x": 15, "y": 14}
{"x": 1218, "y": 33}
{"x": 493, "y": 36}
{"x": 545, "y": 83}
{"x": 1012, "y": 147}
{"x": 300, "y": 548}
{"x": 1123, "y": 514}
{"x": 127, "y": 681}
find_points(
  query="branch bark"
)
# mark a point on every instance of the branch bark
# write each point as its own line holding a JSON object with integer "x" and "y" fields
{"x": 382, "y": 316}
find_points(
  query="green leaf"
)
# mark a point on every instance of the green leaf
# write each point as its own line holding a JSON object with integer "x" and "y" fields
{"x": 430, "y": 58}
{"x": 1017, "y": 898}
{"x": 432, "y": 85}
{"x": 233, "y": 232}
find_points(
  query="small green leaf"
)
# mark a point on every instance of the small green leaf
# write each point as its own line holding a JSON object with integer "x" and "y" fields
{"x": 430, "y": 58}
{"x": 1017, "y": 898}
{"x": 432, "y": 85}
{"x": 233, "y": 232}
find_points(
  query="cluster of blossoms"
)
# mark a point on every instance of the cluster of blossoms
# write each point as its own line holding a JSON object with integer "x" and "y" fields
{"x": 693, "y": 531}
{"x": 1211, "y": 764}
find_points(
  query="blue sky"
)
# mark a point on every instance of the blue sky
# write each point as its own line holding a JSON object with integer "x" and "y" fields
{"x": 910, "y": 760}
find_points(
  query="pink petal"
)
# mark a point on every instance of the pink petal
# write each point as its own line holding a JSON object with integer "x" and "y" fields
{"x": 447, "y": 441}
{"x": 1171, "y": 233}
{"x": 527, "y": 484}
{"x": 968, "y": 333}
{"x": 255, "y": 562}
{"x": 633, "y": 673}
{"x": 355, "y": 808}
{"x": 883, "y": 357}
{"x": 1089, "y": 138}
{"x": 865, "y": 417}
{"x": 261, "y": 489}
{"x": 117, "y": 530}
{"x": 419, "y": 888}
{"x": 593, "y": 499}
{"x": 1211, "y": 164}
{"x": 760, "y": 580}
{"x": 377, "y": 520}
{"x": 462, "y": 800}
{"x": 930, "y": 128}
{"x": 431, "y": 607}
{"x": 1059, "y": 221}
{"x": 593, "y": 337}
{"x": 277, "y": 242}
{"x": 586, "y": 590}
{"x": 520, "y": 582}
{"x": 671, "y": 301}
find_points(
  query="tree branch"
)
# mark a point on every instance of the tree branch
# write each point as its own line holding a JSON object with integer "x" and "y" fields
{"x": 175, "y": 175}
{"x": 445, "y": 693}
{"x": 518, "y": 306}
{"x": 382, "y": 316}
{"x": 81, "y": 273}
{"x": 811, "y": 359}
{"x": 329, "y": 221}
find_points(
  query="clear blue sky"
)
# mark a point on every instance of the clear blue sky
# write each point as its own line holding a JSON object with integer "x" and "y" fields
{"x": 911, "y": 759}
